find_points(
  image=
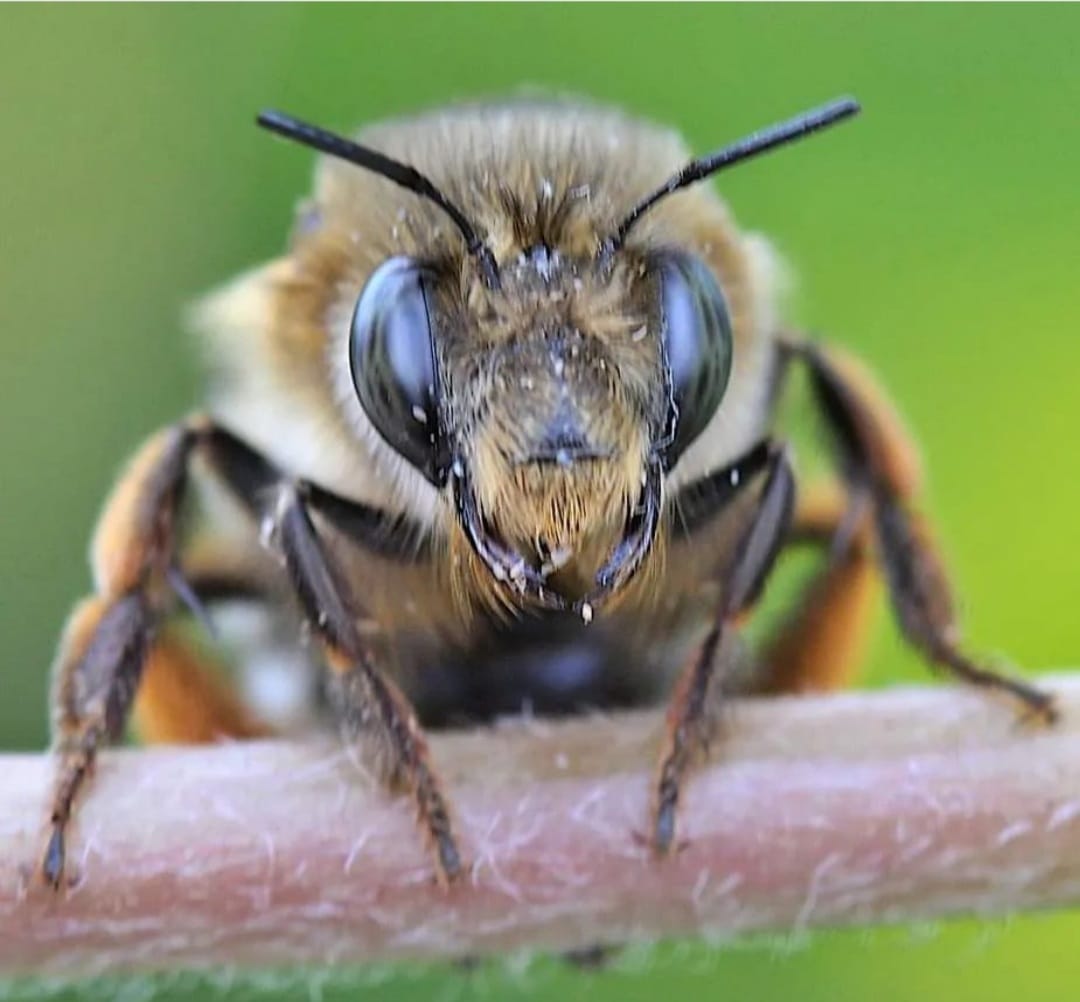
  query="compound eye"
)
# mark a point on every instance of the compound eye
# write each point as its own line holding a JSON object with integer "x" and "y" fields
{"x": 392, "y": 359}
{"x": 697, "y": 340}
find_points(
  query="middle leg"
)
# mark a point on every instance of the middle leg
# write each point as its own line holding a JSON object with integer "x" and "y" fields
{"x": 818, "y": 645}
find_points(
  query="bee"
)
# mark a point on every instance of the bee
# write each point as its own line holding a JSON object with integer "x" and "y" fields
{"x": 498, "y": 427}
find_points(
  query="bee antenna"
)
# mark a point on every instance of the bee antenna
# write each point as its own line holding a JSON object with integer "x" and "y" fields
{"x": 393, "y": 170}
{"x": 743, "y": 149}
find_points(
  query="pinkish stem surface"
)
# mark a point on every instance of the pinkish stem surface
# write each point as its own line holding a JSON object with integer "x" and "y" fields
{"x": 851, "y": 809}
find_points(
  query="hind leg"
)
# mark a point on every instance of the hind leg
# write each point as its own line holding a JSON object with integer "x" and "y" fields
{"x": 101, "y": 655}
{"x": 183, "y": 699}
{"x": 878, "y": 465}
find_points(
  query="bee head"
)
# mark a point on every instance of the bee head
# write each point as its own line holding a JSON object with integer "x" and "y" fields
{"x": 550, "y": 376}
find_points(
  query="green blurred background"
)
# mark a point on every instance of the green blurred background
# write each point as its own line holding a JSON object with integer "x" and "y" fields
{"x": 938, "y": 236}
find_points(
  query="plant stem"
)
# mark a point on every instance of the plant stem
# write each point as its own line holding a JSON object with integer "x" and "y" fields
{"x": 851, "y": 809}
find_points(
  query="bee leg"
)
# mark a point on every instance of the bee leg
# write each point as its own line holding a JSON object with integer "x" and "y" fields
{"x": 876, "y": 459}
{"x": 218, "y": 570}
{"x": 183, "y": 696}
{"x": 101, "y": 654}
{"x": 183, "y": 699}
{"x": 686, "y": 730}
{"x": 369, "y": 707}
{"x": 820, "y": 644}
{"x": 101, "y": 658}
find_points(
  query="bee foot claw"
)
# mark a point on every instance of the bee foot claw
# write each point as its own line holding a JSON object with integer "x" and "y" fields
{"x": 52, "y": 865}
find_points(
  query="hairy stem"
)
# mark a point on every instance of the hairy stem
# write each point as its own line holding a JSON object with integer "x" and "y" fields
{"x": 850, "y": 809}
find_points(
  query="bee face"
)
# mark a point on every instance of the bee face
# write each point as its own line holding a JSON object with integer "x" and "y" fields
{"x": 549, "y": 395}
{"x": 544, "y": 374}
{"x": 554, "y": 403}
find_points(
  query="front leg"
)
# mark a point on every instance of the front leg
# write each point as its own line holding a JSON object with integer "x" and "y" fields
{"x": 369, "y": 707}
{"x": 743, "y": 578}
